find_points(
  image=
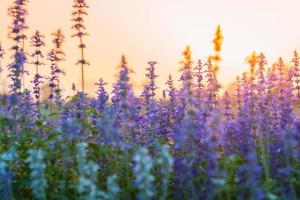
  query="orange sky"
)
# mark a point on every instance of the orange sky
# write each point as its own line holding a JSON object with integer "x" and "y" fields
{"x": 159, "y": 30}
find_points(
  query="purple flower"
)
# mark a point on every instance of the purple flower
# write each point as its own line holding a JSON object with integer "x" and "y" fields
{"x": 125, "y": 105}
{"x": 36, "y": 88}
{"x": 296, "y": 72}
{"x": 16, "y": 71}
{"x": 2, "y": 53}
{"x": 58, "y": 40}
{"x": 199, "y": 86}
{"x": 102, "y": 96}
{"x": 80, "y": 7}
{"x": 18, "y": 12}
{"x": 55, "y": 91}
{"x": 149, "y": 89}
{"x": 212, "y": 85}
{"x": 37, "y": 43}
{"x": 71, "y": 130}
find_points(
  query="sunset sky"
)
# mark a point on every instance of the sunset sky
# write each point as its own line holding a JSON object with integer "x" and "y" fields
{"x": 159, "y": 30}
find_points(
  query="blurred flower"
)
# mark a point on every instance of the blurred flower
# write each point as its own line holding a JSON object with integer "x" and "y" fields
{"x": 142, "y": 173}
{"x": 37, "y": 173}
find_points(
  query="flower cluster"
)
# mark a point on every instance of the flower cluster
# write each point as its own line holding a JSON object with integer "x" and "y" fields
{"x": 196, "y": 141}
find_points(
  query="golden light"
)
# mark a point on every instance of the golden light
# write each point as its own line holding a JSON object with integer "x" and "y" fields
{"x": 159, "y": 30}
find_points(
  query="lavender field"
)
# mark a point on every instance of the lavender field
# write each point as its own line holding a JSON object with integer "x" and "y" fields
{"x": 200, "y": 140}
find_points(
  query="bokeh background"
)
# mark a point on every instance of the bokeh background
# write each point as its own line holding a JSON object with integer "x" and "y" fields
{"x": 159, "y": 30}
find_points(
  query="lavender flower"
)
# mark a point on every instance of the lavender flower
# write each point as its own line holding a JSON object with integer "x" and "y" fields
{"x": 212, "y": 85}
{"x": 2, "y": 53}
{"x": 37, "y": 173}
{"x": 199, "y": 86}
{"x": 125, "y": 105}
{"x": 71, "y": 130}
{"x": 79, "y": 28}
{"x": 29, "y": 106}
{"x": 287, "y": 115}
{"x": 149, "y": 89}
{"x": 149, "y": 123}
{"x": 296, "y": 72}
{"x": 58, "y": 40}
{"x": 6, "y": 176}
{"x": 142, "y": 173}
{"x": 18, "y": 12}
{"x": 87, "y": 187}
{"x": 227, "y": 110}
{"x": 172, "y": 97}
{"x": 186, "y": 78}
{"x": 194, "y": 142}
{"x": 252, "y": 171}
{"x": 37, "y": 42}
{"x": 54, "y": 79}
{"x": 36, "y": 88}
{"x": 102, "y": 95}
{"x": 165, "y": 163}
{"x": 16, "y": 70}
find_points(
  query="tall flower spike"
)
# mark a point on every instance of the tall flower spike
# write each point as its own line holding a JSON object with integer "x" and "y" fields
{"x": 149, "y": 89}
{"x": 287, "y": 106}
{"x": 18, "y": 12}
{"x": 199, "y": 86}
{"x": 275, "y": 82}
{"x": 102, "y": 95}
{"x": 296, "y": 71}
{"x": 227, "y": 110}
{"x": 2, "y": 53}
{"x": 152, "y": 76}
{"x": 125, "y": 104}
{"x": 187, "y": 76}
{"x": 122, "y": 87}
{"x": 280, "y": 67}
{"x": 212, "y": 85}
{"x": 149, "y": 120}
{"x": 87, "y": 172}
{"x": 238, "y": 94}
{"x": 16, "y": 70}
{"x": 260, "y": 73}
{"x": 142, "y": 173}
{"x": 185, "y": 101}
{"x": 252, "y": 60}
{"x": 6, "y": 159}
{"x": 37, "y": 43}
{"x": 26, "y": 97}
{"x": 218, "y": 40}
{"x": 36, "y": 88}
{"x": 58, "y": 40}
{"x": 53, "y": 78}
{"x": 165, "y": 163}
{"x": 172, "y": 97}
{"x": 37, "y": 173}
{"x": 80, "y": 7}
